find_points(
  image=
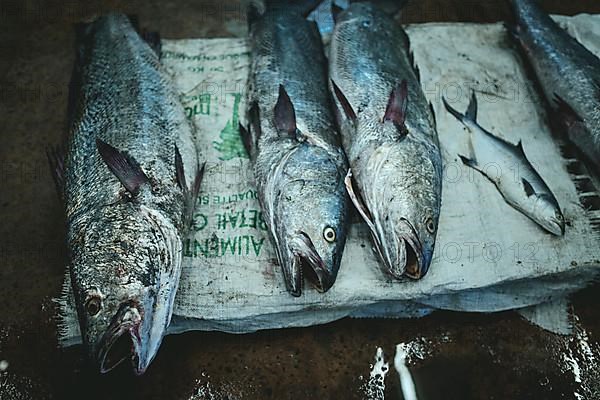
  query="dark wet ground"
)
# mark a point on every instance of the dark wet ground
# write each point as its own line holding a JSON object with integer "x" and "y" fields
{"x": 497, "y": 356}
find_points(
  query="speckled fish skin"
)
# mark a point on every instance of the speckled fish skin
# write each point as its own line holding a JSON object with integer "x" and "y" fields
{"x": 568, "y": 73}
{"x": 397, "y": 175}
{"x": 300, "y": 177}
{"x": 125, "y": 250}
{"x": 508, "y": 168}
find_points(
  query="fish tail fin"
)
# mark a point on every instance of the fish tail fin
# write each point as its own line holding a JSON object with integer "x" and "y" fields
{"x": 469, "y": 115}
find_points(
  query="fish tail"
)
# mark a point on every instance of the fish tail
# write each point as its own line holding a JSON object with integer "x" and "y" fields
{"x": 469, "y": 116}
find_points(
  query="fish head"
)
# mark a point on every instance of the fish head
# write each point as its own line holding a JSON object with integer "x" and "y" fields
{"x": 403, "y": 211}
{"x": 547, "y": 213}
{"x": 412, "y": 246}
{"x": 116, "y": 277}
{"x": 310, "y": 226}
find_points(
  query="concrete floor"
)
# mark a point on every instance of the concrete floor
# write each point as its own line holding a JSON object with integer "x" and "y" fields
{"x": 496, "y": 356}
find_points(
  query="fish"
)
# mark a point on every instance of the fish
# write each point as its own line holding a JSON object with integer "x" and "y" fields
{"x": 523, "y": 188}
{"x": 127, "y": 200}
{"x": 389, "y": 135}
{"x": 568, "y": 74}
{"x": 293, "y": 144}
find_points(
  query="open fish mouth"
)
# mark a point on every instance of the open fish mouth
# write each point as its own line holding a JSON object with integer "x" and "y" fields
{"x": 409, "y": 260}
{"x": 410, "y": 251}
{"x": 122, "y": 341}
{"x": 306, "y": 261}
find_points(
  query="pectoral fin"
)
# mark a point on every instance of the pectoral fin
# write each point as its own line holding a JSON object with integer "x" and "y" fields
{"x": 344, "y": 103}
{"x": 567, "y": 114}
{"x": 153, "y": 40}
{"x": 124, "y": 167}
{"x": 396, "y": 107}
{"x": 190, "y": 194}
{"x": 363, "y": 211}
{"x": 246, "y": 138}
{"x": 56, "y": 159}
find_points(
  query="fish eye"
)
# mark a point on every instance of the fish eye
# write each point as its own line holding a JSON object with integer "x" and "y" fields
{"x": 329, "y": 234}
{"x": 430, "y": 225}
{"x": 93, "y": 305}
{"x": 558, "y": 215}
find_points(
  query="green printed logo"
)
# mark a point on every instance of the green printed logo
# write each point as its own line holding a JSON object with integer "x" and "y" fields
{"x": 243, "y": 245}
{"x": 231, "y": 146}
{"x": 201, "y": 105}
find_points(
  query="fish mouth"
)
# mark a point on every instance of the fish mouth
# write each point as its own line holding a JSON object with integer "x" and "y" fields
{"x": 305, "y": 260}
{"x": 410, "y": 259}
{"x": 555, "y": 226}
{"x": 122, "y": 341}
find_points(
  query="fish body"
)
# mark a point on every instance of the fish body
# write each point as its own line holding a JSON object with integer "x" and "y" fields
{"x": 568, "y": 73}
{"x": 127, "y": 201}
{"x": 294, "y": 148}
{"x": 389, "y": 135}
{"x": 507, "y": 167}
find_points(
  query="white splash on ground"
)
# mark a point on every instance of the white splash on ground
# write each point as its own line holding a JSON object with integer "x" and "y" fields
{"x": 205, "y": 390}
{"x": 374, "y": 389}
{"x": 579, "y": 357}
{"x": 13, "y": 387}
{"x": 406, "y": 382}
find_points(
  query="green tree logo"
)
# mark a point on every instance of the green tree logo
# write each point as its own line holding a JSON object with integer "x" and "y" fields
{"x": 231, "y": 146}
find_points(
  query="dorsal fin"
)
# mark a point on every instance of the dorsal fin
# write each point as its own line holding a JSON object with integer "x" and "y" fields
{"x": 285, "y": 116}
{"x": 528, "y": 188}
{"x": 124, "y": 167}
{"x": 348, "y": 110}
{"x": 397, "y": 105}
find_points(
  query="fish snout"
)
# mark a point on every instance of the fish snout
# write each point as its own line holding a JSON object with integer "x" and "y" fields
{"x": 556, "y": 224}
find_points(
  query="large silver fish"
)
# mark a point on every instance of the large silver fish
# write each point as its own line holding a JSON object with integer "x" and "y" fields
{"x": 294, "y": 147}
{"x": 526, "y": 192}
{"x": 389, "y": 135}
{"x": 568, "y": 73}
{"x": 127, "y": 201}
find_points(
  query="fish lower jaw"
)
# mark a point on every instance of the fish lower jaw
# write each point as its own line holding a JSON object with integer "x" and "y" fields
{"x": 406, "y": 264}
{"x": 118, "y": 349}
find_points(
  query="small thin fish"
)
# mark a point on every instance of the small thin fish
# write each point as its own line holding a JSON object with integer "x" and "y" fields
{"x": 515, "y": 178}
{"x": 128, "y": 203}
{"x": 389, "y": 135}
{"x": 568, "y": 73}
